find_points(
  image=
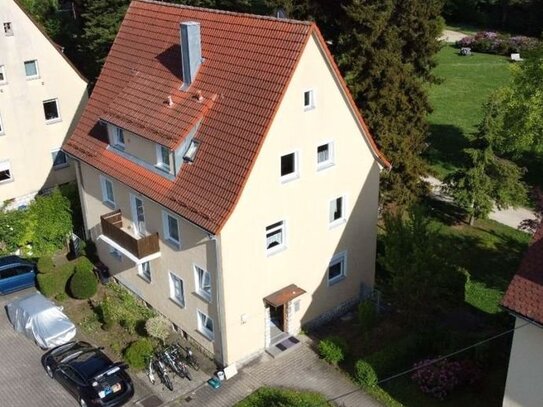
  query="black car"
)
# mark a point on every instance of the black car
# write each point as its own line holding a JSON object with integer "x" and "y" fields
{"x": 89, "y": 375}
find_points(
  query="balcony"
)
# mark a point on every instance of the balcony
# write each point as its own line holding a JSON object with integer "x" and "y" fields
{"x": 112, "y": 228}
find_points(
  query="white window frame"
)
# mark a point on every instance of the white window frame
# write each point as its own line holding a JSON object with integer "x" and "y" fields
{"x": 331, "y": 156}
{"x": 6, "y": 165}
{"x": 280, "y": 225}
{"x": 105, "y": 197}
{"x": 296, "y": 173}
{"x": 3, "y": 71}
{"x": 340, "y": 258}
{"x": 56, "y": 119}
{"x": 343, "y": 218}
{"x": 2, "y": 129}
{"x": 8, "y": 28}
{"x": 202, "y": 318}
{"x": 166, "y": 228}
{"x": 54, "y": 153}
{"x": 142, "y": 274}
{"x": 116, "y": 139}
{"x": 198, "y": 283}
{"x": 311, "y": 104}
{"x": 173, "y": 296}
{"x": 31, "y": 77}
{"x": 160, "y": 162}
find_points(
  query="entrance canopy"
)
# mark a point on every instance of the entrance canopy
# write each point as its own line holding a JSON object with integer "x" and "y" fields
{"x": 284, "y": 295}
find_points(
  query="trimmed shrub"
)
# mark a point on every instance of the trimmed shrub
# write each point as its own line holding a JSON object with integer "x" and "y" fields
{"x": 45, "y": 264}
{"x": 269, "y": 396}
{"x": 367, "y": 316}
{"x": 84, "y": 264}
{"x": 332, "y": 349}
{"x": 364, "y": 373}
{"x": 53, "y": 284}
{"x": 83, "y": 284}
{"x": 137, "y": 353}
{"x": 158, "y": 327}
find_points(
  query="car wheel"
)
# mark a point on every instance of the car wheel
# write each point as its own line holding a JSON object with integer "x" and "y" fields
{"x": 49, "y": 371}
{"x": 82, "y": 403}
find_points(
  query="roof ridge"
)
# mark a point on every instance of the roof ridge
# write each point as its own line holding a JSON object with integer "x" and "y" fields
{"x": 231, "y": 13}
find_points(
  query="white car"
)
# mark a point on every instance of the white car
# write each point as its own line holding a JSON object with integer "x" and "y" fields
{"x": 41, "y": 320}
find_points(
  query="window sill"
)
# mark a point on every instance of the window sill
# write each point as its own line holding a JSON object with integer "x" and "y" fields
{"x": 32, "y": 78}
{"x": 148, "y": 281}
{"x": 308, "y": 108}
{"x": 202, "y": 296}
{"x": 290, "y": 177}
{"x": 276, "y": 250}
{"x": 61, "y": 167}
{"x": 336, "y": 280}
{"x": 173, "y": 244}
{"x": 337, "y": 223}
{"x": 53, "y": 121}
{"x": 7, "y": 181}
{"x": 119, "y": 147}
{"x": 325, "y": 165}
{"x": 177, "y": 302}
{"x": 109, "y": 204}
{"x": 163, "y": 168}
{"x": 206, "y": 335}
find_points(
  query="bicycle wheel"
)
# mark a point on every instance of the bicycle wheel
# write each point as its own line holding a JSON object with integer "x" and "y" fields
{"x": 188, "y": 375}
{"x": 167, "y": 382}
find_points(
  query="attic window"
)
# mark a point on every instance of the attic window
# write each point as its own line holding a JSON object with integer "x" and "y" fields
{"x": 8, "y": 29}
{"x": 191, "y": 151}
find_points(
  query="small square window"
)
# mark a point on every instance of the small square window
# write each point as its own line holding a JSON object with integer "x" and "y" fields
{"x": 31, "y": 69}
{"x": 325, "y": 155}
{"x": 118, "y": 138}
{"x": 50, "y": 110}
{"x": 8, "y": 29}
{"x": 337, "y": 211}
{"x": 203, "y": 282}
{"x": 171, "y": 228}
{"x": 177, "y": 293}
{"x": 309, "y": 100}
{"x": 337, "y": 268}
{"x": 275, "y": 237}
{"x": 5, "y": 172}
{"x": 108, "y": 197}
{"x": 289, "y": 167}
{"x": 60, "y": 160}
{"x": 144, "y": 271}
{"x": 205, "y": 325}
{"x": 3, "y": 77}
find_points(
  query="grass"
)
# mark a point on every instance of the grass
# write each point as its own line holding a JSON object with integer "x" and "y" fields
{"x": 275, "y": 397}
{"x": 458, "y": 101}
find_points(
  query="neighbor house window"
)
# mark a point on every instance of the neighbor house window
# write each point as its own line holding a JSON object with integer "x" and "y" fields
{"x": 289, "y": 166}
{"x": 325, "y": 155}
{"x": 176, "y": 290}
{"x": 31, "y": 69}
{"x": 171, "y": 228}
{"x": 337, "y": 211}
{"x": 163, "y": 160}
{"x": 275, "y": 237}
{"x": 3, "y": 77}
{"x": 309, "y": 100}
{"x": 8, "y": 28}
{"x": 144, "y": 271}
{"x": 118, "y": 138}
{"x": 203, "y": 282}
{"x": 5, "y": 172}
{"x": 50, "y": 110}
{"x": 337, "y": 268}
{"x": 60, "y": 160}
{"x": 108, "y": 197}
{"x": 205, "y": 325}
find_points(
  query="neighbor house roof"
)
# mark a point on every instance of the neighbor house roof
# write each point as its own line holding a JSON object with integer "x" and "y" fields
{"x": 248, "y": 62}
{"x": 524, "y": 296}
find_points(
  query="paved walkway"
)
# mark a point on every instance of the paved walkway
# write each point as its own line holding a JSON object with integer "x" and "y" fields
{"x": 451, "y": 36}
{"x": 300, "y": 369}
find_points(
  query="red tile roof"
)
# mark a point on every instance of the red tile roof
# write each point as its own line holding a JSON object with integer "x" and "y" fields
{"x": 524, "y": 296}
{"x": 248, "y": 63}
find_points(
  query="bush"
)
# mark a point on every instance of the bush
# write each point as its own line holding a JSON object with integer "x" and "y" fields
{"x": 367, "y": 316}
{"x": 332, "y": 349}
{"x": 45, "y": 264}
{"x": 137, "y": 353}
{"x": 364, "y": 373}
{"x": 84, "y": 264}
{"x": 495, "y": 43}
{"x": 83, "y": 284}
{"x": 394, "y": 357}
{"x": 269, "y": 396}
{"x": 158, "y": 327}
{"x": 53, "y": 284}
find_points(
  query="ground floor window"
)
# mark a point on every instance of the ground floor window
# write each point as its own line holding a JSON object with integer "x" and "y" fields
{"x": 205, "y": 325}
{"x": 144, "y": 270}
{"x": 337, "y": 268}
{"x": 176, "y": 290}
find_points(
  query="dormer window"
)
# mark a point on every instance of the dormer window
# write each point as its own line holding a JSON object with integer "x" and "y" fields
{"x": 118, "y": 138}
{"x": 191, "y": 151}
{"x": 163, "y": 159}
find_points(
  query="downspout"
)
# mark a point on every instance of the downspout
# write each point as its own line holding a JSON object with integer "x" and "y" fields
{"x": 81, "y": 196}
{"x": 219, "y": 297}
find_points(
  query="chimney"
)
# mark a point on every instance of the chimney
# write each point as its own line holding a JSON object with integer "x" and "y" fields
{"x": 191, "y": 51}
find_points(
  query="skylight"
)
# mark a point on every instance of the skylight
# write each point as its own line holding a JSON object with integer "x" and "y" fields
{"x": 191, "y": 151}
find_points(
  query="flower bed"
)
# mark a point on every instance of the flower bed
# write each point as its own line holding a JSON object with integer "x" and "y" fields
{"x": 496, "y": 43}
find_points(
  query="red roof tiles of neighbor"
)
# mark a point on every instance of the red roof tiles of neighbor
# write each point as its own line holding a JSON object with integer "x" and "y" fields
{"x": 247, "y": 64}
{"x": 524, "y": 296}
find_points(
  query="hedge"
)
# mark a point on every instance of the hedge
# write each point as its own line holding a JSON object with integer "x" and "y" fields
{"x": 332, "y": 349}
{"x": 137, "y": 353}
{"x": 54, "y": 283}
{"x": 45, "y": 264}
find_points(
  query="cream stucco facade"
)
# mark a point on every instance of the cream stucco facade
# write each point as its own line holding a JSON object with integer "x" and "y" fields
{"x": 242, "y": 270}
{"x": 32, "y": 71}
{"x": 523, "y": 387}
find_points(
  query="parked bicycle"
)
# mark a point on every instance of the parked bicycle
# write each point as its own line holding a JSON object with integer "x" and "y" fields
{"x": 174, "y": 354}
{"x": 191, "y": 359}
{"x": 160, "y": 368}
{"x": 151, "y": 371}
{"x": 169, "y": 358}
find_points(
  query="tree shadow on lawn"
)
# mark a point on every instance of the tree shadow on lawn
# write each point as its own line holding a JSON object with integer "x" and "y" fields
{"x": 446, "y": 145}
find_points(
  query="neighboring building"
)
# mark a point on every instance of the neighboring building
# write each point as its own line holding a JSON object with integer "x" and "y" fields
{"x": 227, "y": 176}
{"x": 524, "y": 300}
{"x": 41, "y": 98}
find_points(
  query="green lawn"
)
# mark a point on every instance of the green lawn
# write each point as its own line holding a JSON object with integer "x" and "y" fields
{"x": 457, "y": 102}
{"x": 275, "y": 397}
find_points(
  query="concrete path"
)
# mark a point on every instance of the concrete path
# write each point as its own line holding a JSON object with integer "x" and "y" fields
{"x": 451, "y": 36}
{"x": 300, "y": 369}
{"x": 511, "y": 217}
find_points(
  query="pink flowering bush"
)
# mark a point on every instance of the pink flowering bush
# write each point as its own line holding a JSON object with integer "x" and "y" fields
{"x": 439, "y": 379}
{"x": 495, "y": 43}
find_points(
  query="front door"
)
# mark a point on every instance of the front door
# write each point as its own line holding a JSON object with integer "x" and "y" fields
{"x": 138, "y": 215}
{"x": 277, "y": 317}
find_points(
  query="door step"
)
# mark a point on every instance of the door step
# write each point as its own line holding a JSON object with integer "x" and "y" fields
{"x": 283, "y": 346}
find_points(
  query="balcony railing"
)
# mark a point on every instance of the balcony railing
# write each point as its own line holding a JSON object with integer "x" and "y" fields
{"x": 112, "y": 224}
